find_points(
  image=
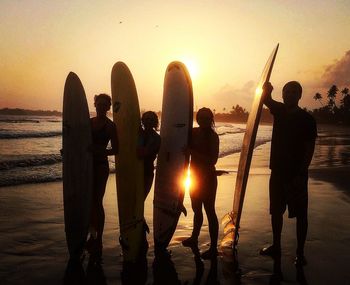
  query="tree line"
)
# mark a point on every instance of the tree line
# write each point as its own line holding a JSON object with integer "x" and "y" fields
{"x": 26, "y": 112}
{"x": 238, "y": 114}
{"x": 333, "y": 109}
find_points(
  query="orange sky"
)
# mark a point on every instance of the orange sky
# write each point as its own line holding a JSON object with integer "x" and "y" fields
{"x": 226, "y": 42}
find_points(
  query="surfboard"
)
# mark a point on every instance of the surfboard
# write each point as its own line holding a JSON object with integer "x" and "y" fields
{"x": 172, "y": 163}
{"x": 77, "y": 165}
{"x": 129, "y": 168}
{"x": 231, "y": 221}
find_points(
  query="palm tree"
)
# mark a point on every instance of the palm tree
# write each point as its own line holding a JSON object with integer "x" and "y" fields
{"x": 345, "y": 101}
{"x": 331, "y": 94}
{"x": 318, "y": 97}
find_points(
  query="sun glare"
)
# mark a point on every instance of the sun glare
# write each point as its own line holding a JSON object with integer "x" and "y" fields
{"x": 192, "y": 67}
{"x": 187, "y": 181}
{"x": 258, "y": 91}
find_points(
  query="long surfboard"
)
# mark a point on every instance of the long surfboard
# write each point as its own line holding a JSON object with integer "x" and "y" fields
{"x": 77, "y": 165}
{"x": 172, "y": 163}
{"x": 231, "y": 221}
{"x": 129, "y": 168}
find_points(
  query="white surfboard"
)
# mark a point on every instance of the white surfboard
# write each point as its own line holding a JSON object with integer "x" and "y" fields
{"x": 232, "y": 220}
{"x": 77, "y": 165}
{"x": 172, "y": 164}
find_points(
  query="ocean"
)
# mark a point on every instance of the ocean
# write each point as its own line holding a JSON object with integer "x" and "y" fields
{"x": 30, "y": 147}
{"x": 33, "y": 242}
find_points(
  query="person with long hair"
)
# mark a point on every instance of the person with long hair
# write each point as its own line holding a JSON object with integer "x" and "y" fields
{"x": 149, "y": 148}
{"x": 204, "y": 151}
{"x": 103, "y": 132}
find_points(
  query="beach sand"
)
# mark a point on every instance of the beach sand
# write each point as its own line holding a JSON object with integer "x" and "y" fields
{"x": 33, "y": 247}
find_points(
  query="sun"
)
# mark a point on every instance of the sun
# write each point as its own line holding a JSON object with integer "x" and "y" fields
{"x": 258, "y": 91}
{"x": 192, "y": 67}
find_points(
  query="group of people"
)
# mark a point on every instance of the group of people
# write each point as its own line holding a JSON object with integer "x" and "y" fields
{"x": 292, "y": 147}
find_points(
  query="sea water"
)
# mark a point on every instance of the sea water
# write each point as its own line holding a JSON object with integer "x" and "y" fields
{"x": 30, "y": 147}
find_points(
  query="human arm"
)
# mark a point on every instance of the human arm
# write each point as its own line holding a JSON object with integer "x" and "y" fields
{"x": 114, "y": 140}
{"x": 266, "y": 95}
{"x": 309, "y": 147}
{"x": 273, "y": 105}
{"x": 310, "y": 135}
{"x": 214, "y": 149}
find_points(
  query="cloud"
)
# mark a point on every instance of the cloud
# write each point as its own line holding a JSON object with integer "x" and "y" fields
{"x": 337, "y": 73}
{"x": 228, "y": 96}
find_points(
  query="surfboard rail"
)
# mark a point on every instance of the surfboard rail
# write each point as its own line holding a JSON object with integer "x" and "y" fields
{"x": 129, "y": 168}
{"x": 172, "y": 163}
{"x": 231, "y": 221}
{"x": 76, "y": 164}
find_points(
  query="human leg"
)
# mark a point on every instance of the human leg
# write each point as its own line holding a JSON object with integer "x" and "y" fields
{"x": 302, "y": 226}
{"x": 277, "y": 224}
{"x": 148, "y": 181}
{"x": 277, "y": 209}
{"x": 197, "y": 223}
{"x": 209, "y": 206}
{"x": 213, "y": 231}
{"x": 197, "y": 218}
{"x": 101, "y": 172}
{"x": 298, "y": 207}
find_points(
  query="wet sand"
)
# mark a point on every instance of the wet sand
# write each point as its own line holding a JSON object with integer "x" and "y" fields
{"x": 33, "y": 248}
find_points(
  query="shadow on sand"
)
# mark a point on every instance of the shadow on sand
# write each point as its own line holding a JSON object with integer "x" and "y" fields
{"x": 75, "y": 273}
{"x": 277, "y": 275}
{"x": 212, "y": 277}
{"x": 164, "y": 271}
{"x": 135, "y": 273}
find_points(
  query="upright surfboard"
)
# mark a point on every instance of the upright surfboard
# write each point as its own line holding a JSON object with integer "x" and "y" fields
{"x": 77, "y": 165}
{"x": 172, "y": 163}
{"x": 232, "y": 220}
{"x": 129, "y": 168}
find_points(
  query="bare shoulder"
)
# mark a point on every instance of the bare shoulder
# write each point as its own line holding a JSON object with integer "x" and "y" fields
{"x": 214, "y": 135}
{"x": 110, "y": 125}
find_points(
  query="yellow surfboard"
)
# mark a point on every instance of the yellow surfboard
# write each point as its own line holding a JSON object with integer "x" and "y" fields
{"x": 129, "y": 168}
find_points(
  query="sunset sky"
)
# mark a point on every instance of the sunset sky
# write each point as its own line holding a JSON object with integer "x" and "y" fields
{"x": 225, "y": 45}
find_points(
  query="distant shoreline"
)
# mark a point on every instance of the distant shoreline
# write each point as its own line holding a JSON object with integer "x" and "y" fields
{"x": 27, "y": 112}
{"x": 219, "y": 117}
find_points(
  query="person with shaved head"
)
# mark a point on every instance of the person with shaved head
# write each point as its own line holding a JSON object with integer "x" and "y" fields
{"x": 292, "y": 147}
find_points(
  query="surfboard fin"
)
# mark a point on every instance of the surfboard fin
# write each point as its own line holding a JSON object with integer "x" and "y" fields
{"x": 228, "y": 218}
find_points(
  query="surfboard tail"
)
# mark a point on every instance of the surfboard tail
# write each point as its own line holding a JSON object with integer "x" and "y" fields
{"x": 229, "y": 222}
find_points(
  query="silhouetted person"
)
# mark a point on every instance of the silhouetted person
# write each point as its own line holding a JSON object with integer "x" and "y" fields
{"x": 204, "y": 150}
{"x": 103, "y": 132}
{"x": 149, "y": 148}
{"x": 292, "y": 147}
